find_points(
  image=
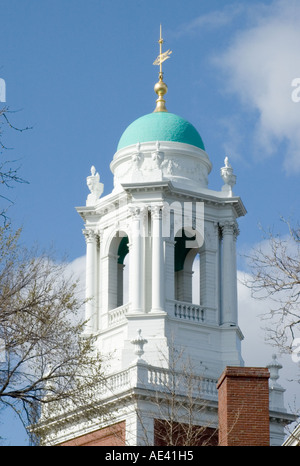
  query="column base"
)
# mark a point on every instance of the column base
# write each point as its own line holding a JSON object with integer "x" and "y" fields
{"x": 136, "y": 311}
{"x": 157, "y": 311}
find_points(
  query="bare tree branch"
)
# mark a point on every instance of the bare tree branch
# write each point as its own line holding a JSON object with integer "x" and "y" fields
{"x": 275, "y": 276}
{"x": 179, "y": 405}
{"x": 44, "y": 359}
{"x": 8, "y": 169}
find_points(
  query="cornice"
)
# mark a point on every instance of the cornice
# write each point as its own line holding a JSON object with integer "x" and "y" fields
{"x": 167, "y": 188}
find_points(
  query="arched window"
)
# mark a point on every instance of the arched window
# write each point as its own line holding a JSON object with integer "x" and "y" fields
{"x": 123, "y": 271}
{"x": 117, "y": 273}
{"x": 187, "y": 269}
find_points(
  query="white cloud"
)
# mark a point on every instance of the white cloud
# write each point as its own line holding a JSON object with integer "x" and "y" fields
{"x": 76, "y": 269}
{"x": 255, "y": 349}
{"x": 210, "y": 21}
{"x": 260, "y": 65}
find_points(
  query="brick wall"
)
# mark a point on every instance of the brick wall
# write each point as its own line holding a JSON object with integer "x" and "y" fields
{"x": 244, "y": 407}
{"x": 179, "y": 434}
{"x": 107, "y": 437}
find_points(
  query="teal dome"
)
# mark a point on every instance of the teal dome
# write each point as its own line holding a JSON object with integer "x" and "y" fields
{"x": 160, "y": 126}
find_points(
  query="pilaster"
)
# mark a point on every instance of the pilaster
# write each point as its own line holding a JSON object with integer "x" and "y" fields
{"x": 158, "y": 279}
{"x": 229, "y": 277}
{"x": 91, "y": 239}
{"x": 136, "y": 282}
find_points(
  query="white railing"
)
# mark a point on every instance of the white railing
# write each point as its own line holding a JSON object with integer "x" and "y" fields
{"x": 119, "y": 380}
{"x": 140, "y": 376}
{"x": 117, "y": 315}
{"x": 189, "y": 311}
{"x": 160, "y": 380}
{"x": 179, "y": 309}
{"x": 165, "y": 380}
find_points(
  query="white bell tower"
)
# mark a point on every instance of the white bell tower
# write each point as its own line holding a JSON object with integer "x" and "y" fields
{"x": 161, "y": 257}
{"x": 161, "y": 253}
{"x": 161, "y": 290}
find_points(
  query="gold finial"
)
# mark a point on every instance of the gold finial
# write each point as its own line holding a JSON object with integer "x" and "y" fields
{"x": 161, "y": 88}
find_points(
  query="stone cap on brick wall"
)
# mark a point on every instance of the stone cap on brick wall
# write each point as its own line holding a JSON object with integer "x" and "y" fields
{"x": 237, "y": 371}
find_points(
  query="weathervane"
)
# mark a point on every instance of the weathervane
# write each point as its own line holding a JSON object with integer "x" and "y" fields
{"x": 162, "y": 56}
{"x": 161, "y": 88}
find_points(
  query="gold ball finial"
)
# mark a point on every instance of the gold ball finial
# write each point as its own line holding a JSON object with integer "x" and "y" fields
{"x": 160, "y": 89}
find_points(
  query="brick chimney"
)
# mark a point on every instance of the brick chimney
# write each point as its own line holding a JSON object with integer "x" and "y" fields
{"x": 244, "y": 407}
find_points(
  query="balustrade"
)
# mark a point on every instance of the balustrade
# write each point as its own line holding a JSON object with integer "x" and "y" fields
{"x": 189, "y": 311}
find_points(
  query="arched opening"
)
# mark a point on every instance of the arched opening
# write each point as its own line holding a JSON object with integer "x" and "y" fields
{"x": 123, "y": 272}
{"x": 196, "y": 279}
{"x": 187, "y": 269}
{"x": 118, "y": 271}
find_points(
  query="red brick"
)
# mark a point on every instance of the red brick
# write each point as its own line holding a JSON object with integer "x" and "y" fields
{"x": 244, "y": 407}
{"x": 109, "y": 436}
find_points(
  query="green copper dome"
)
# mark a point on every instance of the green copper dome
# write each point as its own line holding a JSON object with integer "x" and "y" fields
{"x": 160, "y": 126}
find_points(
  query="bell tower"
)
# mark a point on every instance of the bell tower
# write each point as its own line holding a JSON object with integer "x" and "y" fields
{"x": 161, "y": 247}
{"x": 161, "y": 283}
{"x": 161, "y": 250}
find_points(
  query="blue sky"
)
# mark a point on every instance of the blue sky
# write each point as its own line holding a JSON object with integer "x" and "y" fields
{"x": 80, "y": 71}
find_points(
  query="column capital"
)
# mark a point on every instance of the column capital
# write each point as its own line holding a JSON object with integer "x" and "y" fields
{"x": 137, "y": 211}
{"x": 229, "y": 227}
{"x": 90, "y": 235}
{"x": 156, "y": 210}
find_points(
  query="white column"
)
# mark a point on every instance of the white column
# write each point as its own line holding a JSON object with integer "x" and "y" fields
{"x": 169, "y": 269}
{"x": 136, "y": 262}
{"x": 168, "y": 227}
{"x": 229, "y": 286}
{"x": 158, "y": 279}
{"x": 91, "y": 280}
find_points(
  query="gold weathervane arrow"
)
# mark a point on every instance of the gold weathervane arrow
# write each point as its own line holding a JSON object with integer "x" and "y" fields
{"x": 161, "y": 88}
{"x": 162, "y": 57}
